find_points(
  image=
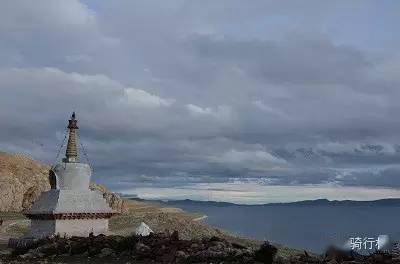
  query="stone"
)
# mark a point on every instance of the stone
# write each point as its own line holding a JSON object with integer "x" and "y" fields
{"x": 140, "y": 247}
{"x": 106, "y": 252}
{"x": 143, "y": 230}
{"x": 27, "y": 255}
{"x": 266, "y": 253}
{"x": 4, "y": 253}
{"x": 208, "y": 254}
{"x": 48, "y": 249}
{"x": 175, "y": 236}
{"x": 194, "y": 246}
{"x": 78, "y": 247}
{"x": 338, "y": 255}
{"x": 332, "y": 262}
{"x": 181, "y": 254}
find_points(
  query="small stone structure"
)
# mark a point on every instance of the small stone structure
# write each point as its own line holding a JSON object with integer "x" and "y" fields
{"x": 143, "y": 230}
{"x": 70, "y": 208}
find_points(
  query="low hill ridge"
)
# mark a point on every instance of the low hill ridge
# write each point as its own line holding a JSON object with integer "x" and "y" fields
{"x": 318, "y": 202}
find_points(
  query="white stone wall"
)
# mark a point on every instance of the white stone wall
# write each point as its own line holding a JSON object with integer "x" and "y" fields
{"x": 72, "y": 227}
{"x": 81, "y": 227}
{"x": 41, "y": 228}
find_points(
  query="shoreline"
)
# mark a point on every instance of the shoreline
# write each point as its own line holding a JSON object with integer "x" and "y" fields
{"x": 200, "y": 218}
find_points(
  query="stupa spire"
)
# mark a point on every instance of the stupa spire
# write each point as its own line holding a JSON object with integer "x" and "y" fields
{"x": 71, "y": 154}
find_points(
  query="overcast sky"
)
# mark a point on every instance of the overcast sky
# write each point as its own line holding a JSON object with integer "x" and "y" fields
{"x": 270, "y": 98}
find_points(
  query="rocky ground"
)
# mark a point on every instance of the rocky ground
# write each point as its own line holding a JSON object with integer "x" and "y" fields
{"x": 170, "y": 248}
{"x": 156, "y": 248}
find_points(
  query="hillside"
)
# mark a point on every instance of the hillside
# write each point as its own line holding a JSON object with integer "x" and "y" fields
{"x": 389, "y": 202}
{"x": 23, "y": 179}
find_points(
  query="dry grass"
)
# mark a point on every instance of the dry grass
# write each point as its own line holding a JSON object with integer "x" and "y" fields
{"x": 11, "y": 216}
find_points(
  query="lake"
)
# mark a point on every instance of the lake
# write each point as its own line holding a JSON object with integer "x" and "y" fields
{"x": 304, "y": 227}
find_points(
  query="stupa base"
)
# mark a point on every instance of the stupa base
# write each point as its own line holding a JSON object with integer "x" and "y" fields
{"x": 68, "y": 227}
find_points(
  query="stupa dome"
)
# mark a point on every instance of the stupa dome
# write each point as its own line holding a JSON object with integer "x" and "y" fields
{"x": 72, "y": 176}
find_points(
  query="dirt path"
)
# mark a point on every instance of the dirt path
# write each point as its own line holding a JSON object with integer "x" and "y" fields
{"x": 4, "y": 237}
{"x": 12, "y": 228}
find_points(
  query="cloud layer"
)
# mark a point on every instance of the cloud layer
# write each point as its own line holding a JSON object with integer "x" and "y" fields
{"x": 186, "y": 93}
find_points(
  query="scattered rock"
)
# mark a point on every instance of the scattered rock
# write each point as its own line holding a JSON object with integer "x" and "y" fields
{"x": 169, "y": 248}
{"x": 162, "y": 247}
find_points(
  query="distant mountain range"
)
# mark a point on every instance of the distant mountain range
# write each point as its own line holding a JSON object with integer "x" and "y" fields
{"x": 319, "y": 202}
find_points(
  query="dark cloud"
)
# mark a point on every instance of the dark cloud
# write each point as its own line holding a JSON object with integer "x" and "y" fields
{"x": 293, "y": 60}
{"x": 188, "y": 93}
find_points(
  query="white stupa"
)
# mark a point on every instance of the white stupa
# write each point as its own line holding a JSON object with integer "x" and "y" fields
{"x": 70, "y": 207}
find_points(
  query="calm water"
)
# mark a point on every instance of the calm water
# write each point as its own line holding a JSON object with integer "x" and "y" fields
{"x": 304, "y": 227}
